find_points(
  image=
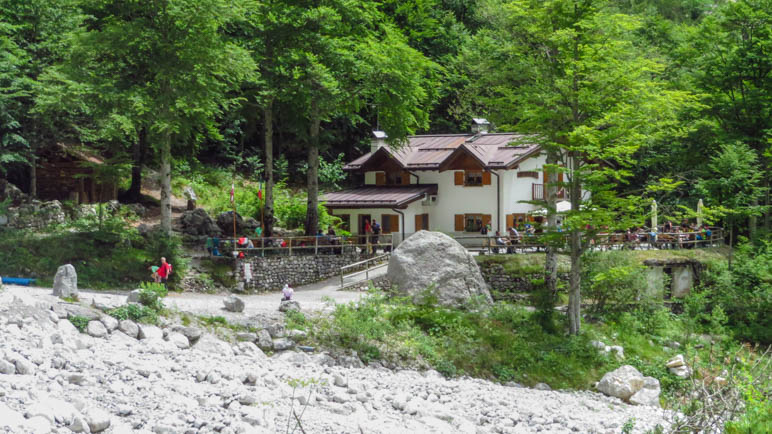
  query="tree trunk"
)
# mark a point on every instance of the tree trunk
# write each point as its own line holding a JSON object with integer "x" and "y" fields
{"x": 575, "y": 295}
{"x": 268, "y": 132}
{"x": 135, "y": 189}
{"x": 551, "y": 261}
{"x": 166, "y": 185}
{"x": 312, "y": 212}
{"x": 33, "y": 178}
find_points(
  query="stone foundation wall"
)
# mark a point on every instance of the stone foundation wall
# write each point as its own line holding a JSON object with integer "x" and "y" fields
{"x": 381, "y": 283}
{"x": 505, "y": 286}
{"x": 271, "y": 273}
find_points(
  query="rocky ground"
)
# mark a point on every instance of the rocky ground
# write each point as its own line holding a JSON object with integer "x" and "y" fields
{"x": 54, "y": 379}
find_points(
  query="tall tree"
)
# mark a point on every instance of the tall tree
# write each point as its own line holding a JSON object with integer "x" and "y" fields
{"x": 589, "y": 96}
{"x": 186, "y": 67}
{"x": 730, "y": 60}
{"x": 345, "y": 55}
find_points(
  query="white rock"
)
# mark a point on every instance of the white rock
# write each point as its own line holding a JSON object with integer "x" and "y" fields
{"x": 233, "y": 304}
{"x": 98, "y": 420}
{"x": 297, "y": 335}
{"x": 676, "y": 362}
{"x": 209, "y": 344}
{"x": 129, "y": 327}
{"x": 264, "y": 341}
{"x": 179, "y": 340}
{"x": 150, "y": 332}
{"x": 7, "y": 368}
{"x": 340, "y": 380}
{"x": 622, "y": 382}
{"x": 618, "y": 350}
{"x": 109, "y": 322}
{"x": 681, "y": 371}
{"x": 133, "y": 296}
{"x": 96, "y": 329}
{"x": 283, "y": 344}
{"x": 649, "y": 393}
{"x": 79, "y": 424}
{"x": 66, "y": 282}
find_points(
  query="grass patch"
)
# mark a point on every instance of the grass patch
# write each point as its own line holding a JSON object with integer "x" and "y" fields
{"x": 80, "y": 322}
{"x": 521, "y": 265}
{"x": 135, "y": 312}
{"x": 505, "y": 342}
{"x": 218, "y": 272}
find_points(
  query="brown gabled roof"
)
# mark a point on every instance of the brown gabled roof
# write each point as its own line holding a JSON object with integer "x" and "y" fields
{"x": 80, "y": 153}
{"x": 379, "y": 196}
{"x": 429, "y": 152}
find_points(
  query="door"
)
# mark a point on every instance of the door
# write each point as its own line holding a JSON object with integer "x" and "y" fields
{"x": 363, "y": 220}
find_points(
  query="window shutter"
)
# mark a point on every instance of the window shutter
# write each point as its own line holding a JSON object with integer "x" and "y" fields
{"x": 510, "y": 221}
{"x": 394, "y": 223}
{"x": 459, "y": 178}
{"x": 385, "y": 224}
{"x": 486, "y": 178}
{"x": 380, "y": 178}
{"x": 459, "y": 227}
{"x": 560, "y": 177}
{"x": 419, "y": 222}
{"x": 486, "y": 219}
{"x": 405, "y": 178}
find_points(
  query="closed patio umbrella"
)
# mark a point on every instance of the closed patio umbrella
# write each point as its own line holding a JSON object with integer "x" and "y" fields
{"x": 699, "y": 213}
{"x": 654, "y": 216}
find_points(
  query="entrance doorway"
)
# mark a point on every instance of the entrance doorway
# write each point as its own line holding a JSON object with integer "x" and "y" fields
{"x": 363, "y": 220}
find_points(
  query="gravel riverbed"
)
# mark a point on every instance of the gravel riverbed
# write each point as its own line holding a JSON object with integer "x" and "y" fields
{"x": 54, "y": 379}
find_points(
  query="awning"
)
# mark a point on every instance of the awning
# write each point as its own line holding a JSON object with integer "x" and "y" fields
{"x": 378, "y": 196}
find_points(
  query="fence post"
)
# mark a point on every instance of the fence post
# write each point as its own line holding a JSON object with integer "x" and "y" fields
{"x": 316, "y": 245}
{"x": 367, "y": 270}
{"x": 290, "y": 246}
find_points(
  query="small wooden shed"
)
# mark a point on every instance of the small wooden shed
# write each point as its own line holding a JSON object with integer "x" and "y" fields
{"x": 67, "y": 173}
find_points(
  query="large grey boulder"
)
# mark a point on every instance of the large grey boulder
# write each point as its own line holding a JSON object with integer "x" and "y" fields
{"x": 66, "y": 282}
{"x": 649, "y": 393}
{"x": 198, "y": 222}
{"x": 433, "y": 260}
{"x": 225, "y": 222}
{"x": 287, "y": 305}
{"x": 233, "y": 304}
{"x": 96, "y": 329}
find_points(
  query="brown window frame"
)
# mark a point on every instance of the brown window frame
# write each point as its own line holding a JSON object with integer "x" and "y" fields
{"x": 475, "y": 174}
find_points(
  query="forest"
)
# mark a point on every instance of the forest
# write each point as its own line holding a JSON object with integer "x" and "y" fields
{"x": 673, "y": 95}
{"x": 635, "y": 101}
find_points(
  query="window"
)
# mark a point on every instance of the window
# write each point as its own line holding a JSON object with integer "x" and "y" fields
{"x": 531, "y": 174}
{"x": 472, "y": 222}
{"x": 395, "y": 178}
{"x": 473, "y": 178}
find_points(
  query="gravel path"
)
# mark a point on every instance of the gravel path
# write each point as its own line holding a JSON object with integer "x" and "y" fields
{"x": 64, "y": 380}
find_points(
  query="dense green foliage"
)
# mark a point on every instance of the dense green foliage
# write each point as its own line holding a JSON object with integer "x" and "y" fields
{"x": 110, "y": 254}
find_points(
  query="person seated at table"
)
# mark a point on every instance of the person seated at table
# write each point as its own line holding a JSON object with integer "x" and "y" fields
{"x": 668, "y": 227}
{"x": 499, "y": 241}
{"x": 514, "y": 235}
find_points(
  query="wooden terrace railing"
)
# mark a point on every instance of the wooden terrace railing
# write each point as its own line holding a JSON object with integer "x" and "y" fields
{"x": 310, "y": 245}
{"x": 488, "y": 244}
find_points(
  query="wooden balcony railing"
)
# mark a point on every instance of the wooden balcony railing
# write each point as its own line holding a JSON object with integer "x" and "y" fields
{"x": 538, "y": 192}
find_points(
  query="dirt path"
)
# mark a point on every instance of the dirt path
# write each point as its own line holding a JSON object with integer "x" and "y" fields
{"x": 312, "y": 298}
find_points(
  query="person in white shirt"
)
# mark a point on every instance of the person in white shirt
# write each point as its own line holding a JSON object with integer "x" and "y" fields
{"x": 287, "y": 292}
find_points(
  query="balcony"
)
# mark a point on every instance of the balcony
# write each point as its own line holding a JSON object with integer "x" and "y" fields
{"x": 537, "y": 192}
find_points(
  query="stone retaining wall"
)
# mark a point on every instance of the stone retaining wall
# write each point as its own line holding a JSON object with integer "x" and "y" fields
{"x": 506, "y": 286}
{"x": 271, "y": 273}
{"x": 381, "y": 283}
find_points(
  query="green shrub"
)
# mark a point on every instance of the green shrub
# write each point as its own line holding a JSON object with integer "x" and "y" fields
{"x": 151, "y": 295}
{"x": 612, "y": 282}
{"x": 136, "y": 313}
{"x": 80, "y": 322}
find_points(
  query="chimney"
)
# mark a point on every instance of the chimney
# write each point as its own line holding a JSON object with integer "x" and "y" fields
{"x": 480, "y": 125}
{"x": 378, "y": 140}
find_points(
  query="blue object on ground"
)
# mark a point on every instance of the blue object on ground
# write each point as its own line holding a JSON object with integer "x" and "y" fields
{"x": 18, "y": 281}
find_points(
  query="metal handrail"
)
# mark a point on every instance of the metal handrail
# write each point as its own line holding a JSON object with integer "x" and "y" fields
{"x": 367, "y": 269}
